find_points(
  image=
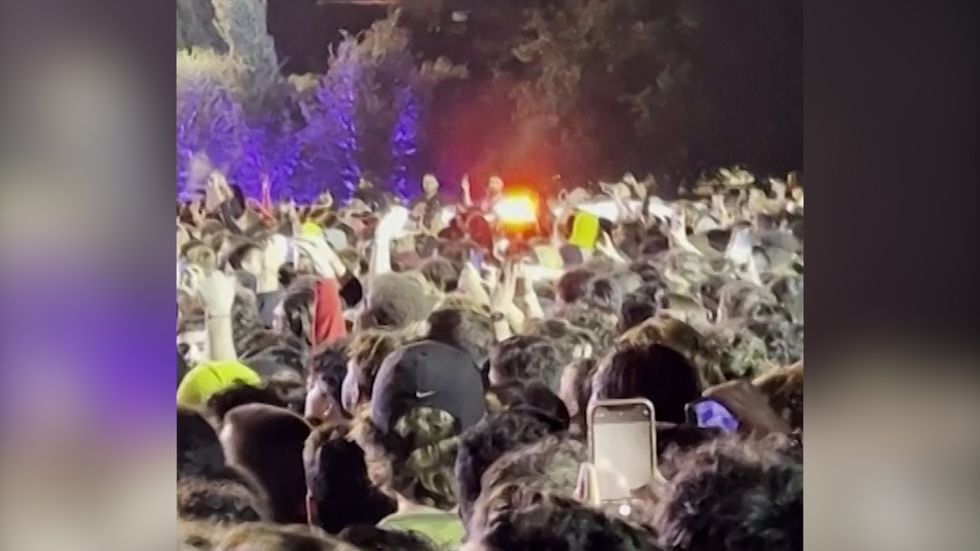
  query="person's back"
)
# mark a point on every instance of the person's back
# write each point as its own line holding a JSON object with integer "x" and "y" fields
{"x": 424, "y": 395}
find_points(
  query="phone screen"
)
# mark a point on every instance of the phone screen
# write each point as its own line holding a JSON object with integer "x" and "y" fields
{"x": 623, "y": 448}
{"x": 711, "y": 414}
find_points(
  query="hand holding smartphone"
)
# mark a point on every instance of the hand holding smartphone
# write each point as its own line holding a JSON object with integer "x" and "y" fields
{"x": 622, "y": 448}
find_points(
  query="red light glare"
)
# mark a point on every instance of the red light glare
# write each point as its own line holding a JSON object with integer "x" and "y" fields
{"x": 516, "y": 210}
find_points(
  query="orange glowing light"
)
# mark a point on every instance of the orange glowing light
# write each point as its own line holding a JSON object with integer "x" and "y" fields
{"x": 516, "y": 210}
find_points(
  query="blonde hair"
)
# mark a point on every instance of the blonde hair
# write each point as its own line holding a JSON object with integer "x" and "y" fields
{"x": 369, "y": 348}
{"x": 416, "y": 459}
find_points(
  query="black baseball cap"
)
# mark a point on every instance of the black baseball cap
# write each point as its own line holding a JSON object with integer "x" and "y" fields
{"x": 427, "y": 374}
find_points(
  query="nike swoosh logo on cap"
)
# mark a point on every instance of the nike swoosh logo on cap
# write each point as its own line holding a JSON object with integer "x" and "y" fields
{"x": 420, "y": 395}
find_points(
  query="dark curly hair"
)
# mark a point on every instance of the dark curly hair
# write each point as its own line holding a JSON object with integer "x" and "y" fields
{"x": 468, "y": 329}
{"x": 525, "y": 358}
{"x": 734, "y": 494}
{"x": 550, "y": 466}
{"x": 561, "y": 523}
{"x": 199, "y": 452}
{"x": 338, "y": 483}
{"x": 221, "y": 499}
{"x": 328, "y": 367}
{"x": 573, "y": 285}
{"x": 487, "y": 441}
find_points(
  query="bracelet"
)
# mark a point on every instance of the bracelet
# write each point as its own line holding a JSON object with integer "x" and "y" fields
{"x": 209, "y": 317}
{"x": 497, "y": 317}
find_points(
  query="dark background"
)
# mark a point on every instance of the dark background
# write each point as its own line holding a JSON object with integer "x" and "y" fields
{"x": 721, "y": 83}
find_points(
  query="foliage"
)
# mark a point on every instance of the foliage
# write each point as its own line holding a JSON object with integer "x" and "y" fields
{"x": 195, "y": 26}
{"x": 310, "y": 132}
{"x": 600, "y": 86}
{"x": 526, "y": 88}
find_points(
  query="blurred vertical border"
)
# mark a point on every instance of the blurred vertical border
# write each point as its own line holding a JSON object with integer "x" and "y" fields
{"x": 891, "y": 166}
{"x": 87, "y": 377}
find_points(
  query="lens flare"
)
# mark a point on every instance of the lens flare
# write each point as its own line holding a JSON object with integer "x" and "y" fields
{"x": 516, "y": 210}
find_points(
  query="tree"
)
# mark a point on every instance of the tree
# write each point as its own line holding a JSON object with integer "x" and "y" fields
{"x": 596, "y": 87}
{"x": 369, "y": 110}
{"x": 195, "y": 26}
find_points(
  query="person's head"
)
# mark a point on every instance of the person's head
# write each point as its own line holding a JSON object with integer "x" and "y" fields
{"x": 267, "y": 442}
{"x": 468, "y": 329}
{"x": 550, "y": 466}
{"x": 573, "y": 285}
{"x": 372, "y": 538}
{"x": 551, "y": 522}
{"x": 414, "y": 458}
{"x": 637, "y": 307}
{"x": 325, "y": 381}
{"x": 441, "y": 273}
{"x": 784, "y": 388}
{"x": 656, "y": 372}
{"x": 297, "y": 309}
{"x": 199, "y": 451}
{"x": 396, "y": 300}
{"x": 220, "y": 403}
{"x": 209, "y": 378}
{"x": 200, "y": 254}
{"x": 430, "y": 185}
{"x": 495, "y": 185}
{"x": 525, "y": 358}
{"x": 691, "y": 344}
{"x": 486, "y": 442}
{"x": 533, "y": 397}
{"x": 247, "y": 257}
{"x": 261, "y": 536}
{"x": 274, "y": 356}
{"x": 604, "y": 293}
{"x": 571, "y": 342}
{"x": 642, "y": 335}
{"x": 733, "y": 494}
{"x": 365, "y": 353}
{"x": 425, "y": 394}
{"x": 599, "y": 324}
{"x": 192, "y": 340}
{"x": 339, "y": 491}
{"x": 224, "y": 499}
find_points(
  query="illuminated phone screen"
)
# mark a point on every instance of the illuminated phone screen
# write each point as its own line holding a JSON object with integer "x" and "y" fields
{"x": 622, "y": 449}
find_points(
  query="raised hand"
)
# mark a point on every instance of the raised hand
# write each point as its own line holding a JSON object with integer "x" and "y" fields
{"x": 392, "y": 222}
{"x": 217, "y": 293}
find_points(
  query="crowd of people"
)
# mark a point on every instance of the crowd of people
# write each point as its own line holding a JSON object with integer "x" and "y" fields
{"x": 380, "y": 376}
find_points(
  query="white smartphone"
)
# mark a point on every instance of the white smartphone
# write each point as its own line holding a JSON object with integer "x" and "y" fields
{"x": 622, "y": 446}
